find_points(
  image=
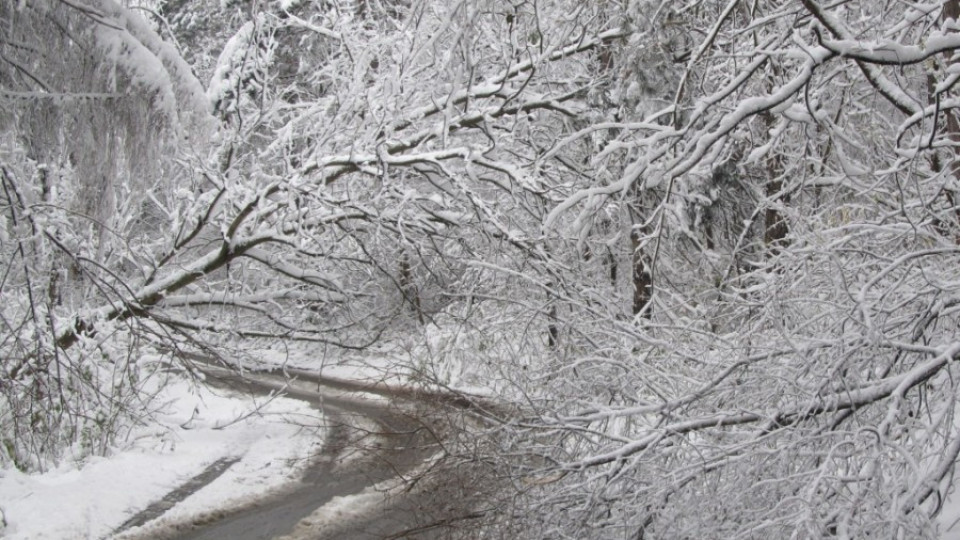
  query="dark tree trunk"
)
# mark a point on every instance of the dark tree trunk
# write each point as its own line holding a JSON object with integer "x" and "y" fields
{"x": 611, "y": 261}
{"x": 642, "y": 280}
{"x": 775, "y": 225}
{"x": 553, "y": 331}
{"x": 409, "y": 288}
{"x": 951, "y": 10}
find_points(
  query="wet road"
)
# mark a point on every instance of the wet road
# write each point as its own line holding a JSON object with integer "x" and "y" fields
{"x": 367, "y": 442}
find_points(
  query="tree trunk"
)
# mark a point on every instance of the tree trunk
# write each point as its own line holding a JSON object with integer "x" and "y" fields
{"x": 408, "y": 288}
{"x": 951, "y": 10}
{"x": 775, "y": 226}
{"x": 642, "y": 280}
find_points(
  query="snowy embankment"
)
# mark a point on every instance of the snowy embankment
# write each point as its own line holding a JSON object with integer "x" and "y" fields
{"x": 270, "y": 439}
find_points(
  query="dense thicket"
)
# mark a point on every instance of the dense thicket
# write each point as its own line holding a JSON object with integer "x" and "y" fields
{"x": 707, "y": 249}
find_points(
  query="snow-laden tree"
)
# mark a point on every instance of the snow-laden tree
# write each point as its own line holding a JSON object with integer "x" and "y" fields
{"x": 353, "y": 176}
{"x": 705, "y": 249}
{"x": 794, "y": 375}
{"x": 93, "y": 103}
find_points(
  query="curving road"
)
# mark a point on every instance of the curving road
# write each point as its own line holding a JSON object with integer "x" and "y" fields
{"x": 367, "y": 442}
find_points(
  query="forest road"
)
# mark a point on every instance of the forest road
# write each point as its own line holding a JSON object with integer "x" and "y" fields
{"x": 366, "y": 442}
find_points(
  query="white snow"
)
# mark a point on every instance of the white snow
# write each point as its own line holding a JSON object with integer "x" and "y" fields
{"x": 287, "y": 5}
{"x": 231, "y": 58}
{"x": 91, "y": 499}
{"x": 154, "y": 64}
{"x": 447, "y": 359}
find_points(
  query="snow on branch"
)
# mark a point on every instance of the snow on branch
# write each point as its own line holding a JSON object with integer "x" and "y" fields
{"x": 827, "y": 403}
{"x": 891, "y": 53}
{"x": 153, "y": 64}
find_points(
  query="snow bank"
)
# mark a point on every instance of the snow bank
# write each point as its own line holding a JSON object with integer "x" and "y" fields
{"x": 91, "y": 499}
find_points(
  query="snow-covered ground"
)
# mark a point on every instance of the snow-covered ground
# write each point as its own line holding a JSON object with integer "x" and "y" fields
{"x": 270, "y": 438}
{"x": 437, "y": 359}
{"x": 91, "y": 499}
